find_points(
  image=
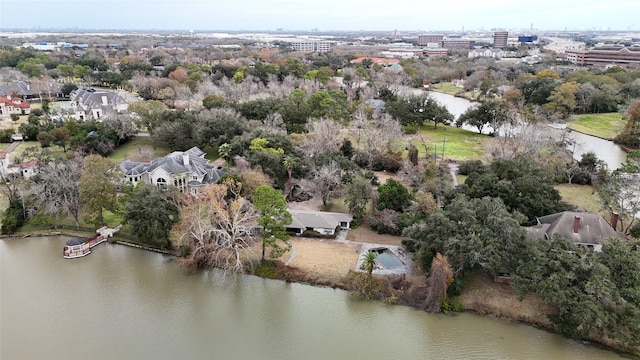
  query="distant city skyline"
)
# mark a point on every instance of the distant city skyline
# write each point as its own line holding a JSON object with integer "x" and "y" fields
{"x": 324, "y": 15}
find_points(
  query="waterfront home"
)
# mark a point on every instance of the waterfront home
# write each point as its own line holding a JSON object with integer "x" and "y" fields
{"x": 187, "y": 170}
{"x": 584, "y": 229}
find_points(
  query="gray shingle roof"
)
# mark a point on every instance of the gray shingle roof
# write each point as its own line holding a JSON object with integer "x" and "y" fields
{"x": 175, "y": 164}
{"x": 302, "y": 219}
{"x": 592, "y": 228}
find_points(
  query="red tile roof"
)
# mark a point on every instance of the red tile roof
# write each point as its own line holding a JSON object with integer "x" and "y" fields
{"x": 15, "y": 102}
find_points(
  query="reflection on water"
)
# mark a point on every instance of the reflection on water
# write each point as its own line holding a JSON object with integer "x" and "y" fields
{"x": 124, "y": 303}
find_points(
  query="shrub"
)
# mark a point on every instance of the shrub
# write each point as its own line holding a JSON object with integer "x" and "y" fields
{"x": 456, "y": 287}
{"x": 386, "y": 163}
{"x": 410, "y": 130}
{"x": 452, "y": 305}
{"x": 5, "y": 135}
{"x": 385, "y": 222}
{"x": 13, "y": 217}
{"x": 471, "y": 166}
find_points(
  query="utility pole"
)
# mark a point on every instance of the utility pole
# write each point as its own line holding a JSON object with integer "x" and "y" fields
{"x": 444, "y": 140}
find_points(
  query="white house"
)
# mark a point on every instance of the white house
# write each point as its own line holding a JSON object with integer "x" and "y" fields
{"x": 321, "y": 222}
{"x": 186, "y": 170}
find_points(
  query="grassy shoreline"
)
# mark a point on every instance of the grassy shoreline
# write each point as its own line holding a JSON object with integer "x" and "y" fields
{"x": 606, "y": 126}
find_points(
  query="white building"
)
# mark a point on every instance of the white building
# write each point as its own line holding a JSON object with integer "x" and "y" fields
{"x": 311, "y": 46}
{"x": 187, "y": 170}
{"x": 89, "y": 103}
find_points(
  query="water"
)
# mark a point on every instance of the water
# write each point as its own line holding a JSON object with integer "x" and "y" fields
{"x": 124, "y": 303}
{"x": 388, "y": 260}
{"x": 606, "y": 150}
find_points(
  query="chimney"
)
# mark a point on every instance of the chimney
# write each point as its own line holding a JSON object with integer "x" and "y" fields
{"x": 576, "y": 224}
{"x": 614, "y": 220}
{"x": 185, "y": 158}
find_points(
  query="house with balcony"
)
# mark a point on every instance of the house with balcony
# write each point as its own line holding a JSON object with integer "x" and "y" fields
{"x": 186, "y": 170}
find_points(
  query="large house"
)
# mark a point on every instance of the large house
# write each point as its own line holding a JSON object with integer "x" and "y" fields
{"x": 32, "y": 91}
{"x": 90, "y": 103}
{"x": 322, "y": 222}
{"x": 585, "y": 229}
{"x": 187, "y": 170}
{"x": 9, "y": 105}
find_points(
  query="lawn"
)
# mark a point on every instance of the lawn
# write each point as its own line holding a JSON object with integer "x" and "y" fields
{"x": 19, "y": 151}
{"x": 605, "y": 126}
{"x": 581, "y": 196}
{"x": 129, "y": 149}
{"x": 459, "y": 144}
{"x": 447, "y": 88}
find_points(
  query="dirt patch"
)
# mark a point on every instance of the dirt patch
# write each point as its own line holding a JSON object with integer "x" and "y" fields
{"x": 484, "y": 296}
{"x": 364, "y": 234}
{"x": 327, "y": 260}
{"x": 383, "y": 176}
{"x": 314, "y": 204}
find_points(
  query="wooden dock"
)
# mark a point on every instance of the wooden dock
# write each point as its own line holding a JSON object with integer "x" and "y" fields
{"x": 76, "y": 247}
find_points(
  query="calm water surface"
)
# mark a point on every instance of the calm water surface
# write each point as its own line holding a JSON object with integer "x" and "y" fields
{"x": 124, "y": 303}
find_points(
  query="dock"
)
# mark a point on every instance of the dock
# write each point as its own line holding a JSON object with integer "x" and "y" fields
{"x": 77, "y": 247}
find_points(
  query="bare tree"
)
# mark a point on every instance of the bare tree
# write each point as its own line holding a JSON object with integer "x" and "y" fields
{"x": 217, "y": 226}
{"x": 440, "y": 277}
{"x": 122, "y": 125}
{"x": 57, "y": 187}
{"x": 327, "y": 181}
{"x": 324, "y": 135}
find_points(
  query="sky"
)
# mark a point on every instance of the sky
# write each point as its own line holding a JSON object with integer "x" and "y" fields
{"x": 324, "y": 15}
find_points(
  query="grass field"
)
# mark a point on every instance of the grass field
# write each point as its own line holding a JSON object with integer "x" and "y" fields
{"x": 459, "y": 144}
{"x": 129, "y": 149}
{"x": 606, "y": 126}
{"x": 581, "y": 196}
{"x": 19, "y": 151}
{"x": 447, "y": 88}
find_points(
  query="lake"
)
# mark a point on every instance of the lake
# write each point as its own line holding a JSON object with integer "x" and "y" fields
{"x": 125, "y": 303}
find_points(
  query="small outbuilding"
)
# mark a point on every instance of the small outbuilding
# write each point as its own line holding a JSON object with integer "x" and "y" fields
{"x": 322, "y": 222}
{"x": 75, "y": 247}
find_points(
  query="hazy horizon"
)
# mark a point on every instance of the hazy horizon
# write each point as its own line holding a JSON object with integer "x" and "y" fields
{"x": 327, "y": 15}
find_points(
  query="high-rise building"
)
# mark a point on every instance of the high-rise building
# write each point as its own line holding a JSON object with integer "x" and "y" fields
{"x": 500, "y": 39}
